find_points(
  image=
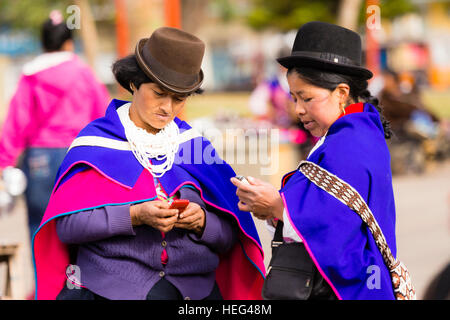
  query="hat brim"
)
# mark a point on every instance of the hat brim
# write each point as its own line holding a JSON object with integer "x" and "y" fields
{"x": 324, "y": 65}
{"x": 148, "y": 71}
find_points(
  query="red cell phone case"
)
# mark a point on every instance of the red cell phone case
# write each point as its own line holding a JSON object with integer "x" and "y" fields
{"x": 179, "y": 204}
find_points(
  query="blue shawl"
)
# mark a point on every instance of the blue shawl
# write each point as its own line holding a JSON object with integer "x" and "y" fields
{"x": 95, "y": 176}
{"x": 338, "y": 241}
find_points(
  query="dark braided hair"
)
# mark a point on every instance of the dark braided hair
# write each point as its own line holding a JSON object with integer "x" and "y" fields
{"x": 358, "y": 88}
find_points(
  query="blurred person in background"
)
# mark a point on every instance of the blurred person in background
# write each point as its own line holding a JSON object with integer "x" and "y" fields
{"x": 418, "y": 134}
{"x": 402, "y": 105}
{"x": 435, "y": 129}
{"x": 57, "y": 95}
{"x": 270, "y": 101}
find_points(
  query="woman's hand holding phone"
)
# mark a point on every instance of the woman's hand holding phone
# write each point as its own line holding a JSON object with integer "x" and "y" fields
{"x": 156, "y": 214}
{"x": 192, "y": 218}
{"x": 179, "y": 204}
{"x": 164, "y": 216}
{"x": 258, "y": 197}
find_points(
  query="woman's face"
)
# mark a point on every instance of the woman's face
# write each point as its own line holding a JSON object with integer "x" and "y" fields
{"x": 316, "y": 108}
{"x": 153, "y": 107}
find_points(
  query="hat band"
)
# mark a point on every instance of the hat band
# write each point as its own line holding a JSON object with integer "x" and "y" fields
{"x": 331, "y": 57}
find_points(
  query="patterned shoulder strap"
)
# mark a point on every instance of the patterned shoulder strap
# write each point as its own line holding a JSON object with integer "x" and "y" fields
{"x": 350, "y": 197}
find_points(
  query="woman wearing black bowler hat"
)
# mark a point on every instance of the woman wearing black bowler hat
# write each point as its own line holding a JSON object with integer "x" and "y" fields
{"x": 111, "y": 231}
{"x": 336, "y": 246}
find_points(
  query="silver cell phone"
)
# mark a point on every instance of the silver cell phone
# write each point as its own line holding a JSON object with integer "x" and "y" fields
{"x": 242, "y": 179}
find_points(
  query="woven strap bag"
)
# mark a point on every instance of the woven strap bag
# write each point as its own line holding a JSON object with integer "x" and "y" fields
{"x": 401, "y": 280}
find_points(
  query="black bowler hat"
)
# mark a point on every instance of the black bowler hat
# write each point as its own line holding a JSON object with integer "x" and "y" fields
{"x": 327, "y": 47}
{"x": 172, "y": 58}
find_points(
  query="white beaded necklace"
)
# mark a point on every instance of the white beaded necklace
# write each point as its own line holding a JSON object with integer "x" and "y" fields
{"x": 144, "y": 145}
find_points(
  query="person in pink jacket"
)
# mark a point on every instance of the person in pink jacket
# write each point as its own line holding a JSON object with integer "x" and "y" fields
{"x": 56, "y": 97}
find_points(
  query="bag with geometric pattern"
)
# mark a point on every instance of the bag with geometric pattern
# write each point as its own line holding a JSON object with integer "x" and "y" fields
{"x": 401, "y": 280}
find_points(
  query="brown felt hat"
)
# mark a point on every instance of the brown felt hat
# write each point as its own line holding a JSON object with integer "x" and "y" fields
{"x": 172, "y": 58}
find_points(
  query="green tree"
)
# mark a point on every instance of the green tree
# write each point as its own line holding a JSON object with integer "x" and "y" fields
{"x": 289, "y": 14}
{"x": 28, "y": 14}
{"x": 286, "y": 15}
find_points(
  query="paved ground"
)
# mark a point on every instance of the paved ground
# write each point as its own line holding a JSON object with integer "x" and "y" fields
{"x": 423, "y": 229}
{"x": 423, "y": 223}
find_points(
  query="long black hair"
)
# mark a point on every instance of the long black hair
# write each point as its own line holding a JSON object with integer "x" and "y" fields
{"x": 358, "y": 88}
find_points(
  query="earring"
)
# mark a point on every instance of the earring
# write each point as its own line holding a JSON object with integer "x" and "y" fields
{"x": 343, "y": 107}
{"x": 132, "y": 87}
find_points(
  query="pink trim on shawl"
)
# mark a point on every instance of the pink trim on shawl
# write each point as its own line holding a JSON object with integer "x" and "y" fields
{"x": 309, "y": 250}
{"x": 52, "y": 257}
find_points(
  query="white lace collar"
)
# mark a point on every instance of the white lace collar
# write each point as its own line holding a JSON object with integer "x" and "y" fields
{"x": 161, "y": 146}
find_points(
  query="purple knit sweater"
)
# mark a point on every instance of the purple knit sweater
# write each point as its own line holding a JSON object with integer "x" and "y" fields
{"x": 119, "y": 261}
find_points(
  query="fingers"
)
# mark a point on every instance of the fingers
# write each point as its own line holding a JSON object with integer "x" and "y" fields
{"x": 166, "y": 224}
{"x": 235, "y": 181}
{"x": 241, "y": 186}
{"x": 158, "y": 215}
{"x": 254, "y": 181}
{"x": 161, "y": 204}
{"x": 191, "y": 214}
{"x": 192, "y": 219}
{"x": 246, "y": 197}
{"x": 161, "y": 209}
{"x": 165, "y": 213}
{"x": 245, "y": 194}
{"x": 190, "y": 209}
{"x": 244, "y": 186}
{"x": 243, "y": 206}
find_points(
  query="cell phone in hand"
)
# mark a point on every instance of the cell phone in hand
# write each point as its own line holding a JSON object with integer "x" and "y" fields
{"x": 242, "y": 179}
{"x": 179, "y": 204}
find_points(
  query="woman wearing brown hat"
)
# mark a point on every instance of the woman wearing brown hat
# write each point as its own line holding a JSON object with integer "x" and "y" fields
{"x": 143, "y": 207}
{"x": 336, "y": 255}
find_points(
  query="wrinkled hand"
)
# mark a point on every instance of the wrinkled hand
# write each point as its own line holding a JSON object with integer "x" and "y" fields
{"x": 192, "y": 218}
{"x": 259, "y": 197}
{"x": 155, "y": 214}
